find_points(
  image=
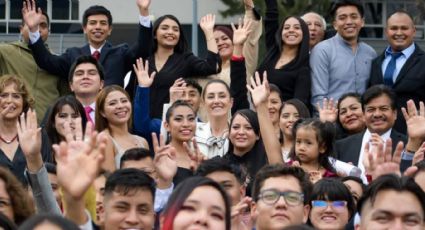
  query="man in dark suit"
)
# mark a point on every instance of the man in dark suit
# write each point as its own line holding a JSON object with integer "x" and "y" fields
{"x": 402, "y": 65}
{"x": 380, "y": 113}
{"x": 97, "y": 26}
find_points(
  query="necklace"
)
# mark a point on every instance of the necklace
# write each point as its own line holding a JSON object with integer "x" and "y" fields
{"x": 8, "y": 142}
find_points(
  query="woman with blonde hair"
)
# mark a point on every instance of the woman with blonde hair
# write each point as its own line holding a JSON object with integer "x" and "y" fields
{"x": 14, "y": 100}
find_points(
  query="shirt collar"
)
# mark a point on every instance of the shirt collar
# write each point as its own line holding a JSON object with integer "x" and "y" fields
{"x": 406, "y": 52}
{"x": 99, "y": 49}
{"x": 384, "y": 136}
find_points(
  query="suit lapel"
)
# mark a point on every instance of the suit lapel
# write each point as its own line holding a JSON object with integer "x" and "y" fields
{"x": 105, "y": 51}
{"x": 86, "y": 50}
{"x": 413, "y": 60}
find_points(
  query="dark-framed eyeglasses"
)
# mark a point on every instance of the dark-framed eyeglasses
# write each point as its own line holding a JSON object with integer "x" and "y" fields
{"x": 271, "y": 196}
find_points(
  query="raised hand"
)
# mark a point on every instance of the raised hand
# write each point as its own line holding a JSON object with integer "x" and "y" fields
{"x": 379, "y": 161}
{"x": 31, "y": 14}
{"x": 328, "y": 111}
{"x": 260, "y": 91}
{"x": 419, "y": 155}
{"x": 142, "y": 72}
{"x": 164, "y": 162}
{"x": 241, "y": 31}
{"x": 241, "y": 218}
{"x": 195, "y": 155}
{"x": 30, "y": 140}
{"x": 177, "y": 90}
{"x": 79, "y": 159}
{"x": 143, "y": 6}
{"x": 415, "y": 120}
{"x": 207, "y": 23}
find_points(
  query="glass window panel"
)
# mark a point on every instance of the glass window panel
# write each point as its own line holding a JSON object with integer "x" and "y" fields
{"x": 373, "y": 13}
{"x": 2, "y": 27}
{"x": 75, "y": 8}
{"x": 60, "y": 9}
{"x": 16, "y": 8}
{"x": 2, "y": 9}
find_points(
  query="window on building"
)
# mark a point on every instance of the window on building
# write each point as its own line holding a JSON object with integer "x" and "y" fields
{"x": 65, "y": 10}
{"x": 16, "y": 8}
{"x": 2, "y": 9}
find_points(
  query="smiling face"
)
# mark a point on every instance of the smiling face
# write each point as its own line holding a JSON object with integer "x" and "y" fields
{"x": 280, "y": 214}
{"x": 224, "y": 44}
{"x": 288, "y": 116}
{"x": 329, "y": 217}
{"x": 392, "y": 210}
{"x": 181, "y": 124}
{"x": 66, "y": 115}
{"x": 350, "y": 115}
{"x": 86, "y": 80}
{"x": 168, "y": 33}
{"x": 292, "y": 33}
{"x": 348, "y": 22}
{"x": 117, "y": 108}
{"x": 131, "y": 211}
{"x": 274, "y": 104}
{"x": 192, "y": 97}
{"x": 217, "y": 100}
{"x": 400, "y": 31}
{"x": 316, "y": 28}
{"x": 379, "y": 115}
{"x": 97, "y": 29}
{"x": 242, "y": 135}
{"x": 307, "y": 146}
{"x": 11, "y": 102}
{"x": 200, "y": 213}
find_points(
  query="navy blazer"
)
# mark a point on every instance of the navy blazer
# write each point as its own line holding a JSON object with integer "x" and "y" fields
{"x": 115, "y": 60}
{"x": 348, "y": 149}
{"x": 410, "y": 82}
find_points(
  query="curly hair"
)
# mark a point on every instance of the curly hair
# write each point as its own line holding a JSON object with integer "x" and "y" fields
{"x": 20, "y": 201}
{"x": 20, "y": 87}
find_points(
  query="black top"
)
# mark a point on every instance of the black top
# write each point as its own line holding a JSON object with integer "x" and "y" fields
{"x": 181, "y": 175}
{"x": 293, "y": 79}
{"x": 18, "y": 164}
{"x": 179, "y": 65}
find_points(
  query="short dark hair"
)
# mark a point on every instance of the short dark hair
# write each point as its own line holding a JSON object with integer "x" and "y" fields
{"x": 218, "y": 164}
{"x": 124, "y": 181}
{"x": 194, "y": 84}
{"x": 279, "y": 170}
{"x": 96, "y": 10}
{"x": 275, "y": 88}
{"x": 356, "y": 179}
{"x": 86, "y": 59}
{"x": 332, "y": 189}
{"x": 377, "y": 91}
{"x": 134, "y": 154}
{"x": 341, "y": 3}
{"x": 395, "y": 183}
{"x": 56, "y": 220}
{"x": 421, "y": 168}
{"x": 183, "y": 191}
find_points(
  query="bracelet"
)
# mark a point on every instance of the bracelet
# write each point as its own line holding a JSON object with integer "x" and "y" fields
{"x": 237, "y": 58}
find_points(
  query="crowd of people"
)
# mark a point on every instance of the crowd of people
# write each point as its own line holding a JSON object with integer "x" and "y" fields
{"x": 322, "y": 134}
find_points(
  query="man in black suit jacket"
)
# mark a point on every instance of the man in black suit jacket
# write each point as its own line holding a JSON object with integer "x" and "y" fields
{"x": 408, "y": 78}
{"x": 97, "y": 25}
{"x": 379, "y": 109}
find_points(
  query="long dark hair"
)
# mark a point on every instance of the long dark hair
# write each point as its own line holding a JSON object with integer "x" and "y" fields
{"x": 325, "y": 134}
{"x": 183, "y": 191}
{"x": 182, "y": 45}
{"x": 70, "y": 100}
{"x": 273, "y": 54}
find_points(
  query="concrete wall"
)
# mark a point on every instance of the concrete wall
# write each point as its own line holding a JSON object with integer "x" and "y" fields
{"x": 126, "y": 11}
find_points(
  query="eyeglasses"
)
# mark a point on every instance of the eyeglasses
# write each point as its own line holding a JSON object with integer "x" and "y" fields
{"x": 271, "y": 196}
{"x": 337, "y": 204}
